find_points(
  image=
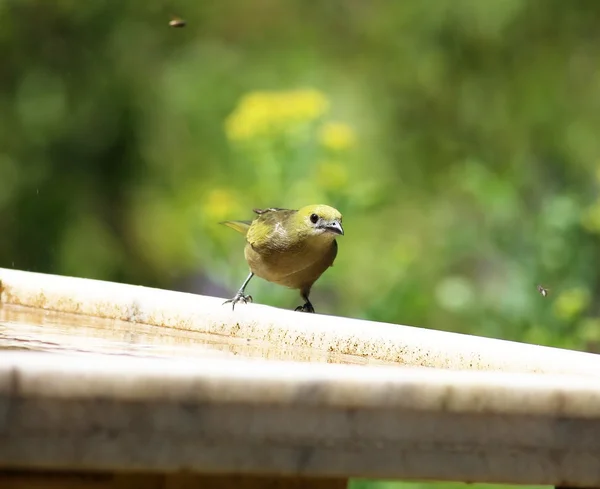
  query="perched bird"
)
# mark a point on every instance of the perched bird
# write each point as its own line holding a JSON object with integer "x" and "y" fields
{"x": 289, "y": 247}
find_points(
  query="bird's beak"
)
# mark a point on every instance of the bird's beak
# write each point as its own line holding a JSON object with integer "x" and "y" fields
{"x": 335, "y": 227}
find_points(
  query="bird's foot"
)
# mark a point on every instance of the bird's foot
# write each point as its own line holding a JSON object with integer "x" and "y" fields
{"x": 307, "y": 307}
{"x": 239, "y": 297}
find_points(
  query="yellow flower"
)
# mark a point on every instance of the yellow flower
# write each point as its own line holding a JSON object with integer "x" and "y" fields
{"x": 337, "y": 136}
{"x": 304, "y": 105}
{"x": 249, "y": 118}
{"x": 332, "y": 175}
{"x": 263, "y": 112}
{"x": 220, "y": 203}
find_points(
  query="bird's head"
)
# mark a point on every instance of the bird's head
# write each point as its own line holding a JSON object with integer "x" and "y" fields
{"x": 320, "y": 220}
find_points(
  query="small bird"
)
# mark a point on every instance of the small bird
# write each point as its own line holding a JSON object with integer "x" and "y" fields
{"x": 289, "y": 247}
{"x": 543, "y": 290}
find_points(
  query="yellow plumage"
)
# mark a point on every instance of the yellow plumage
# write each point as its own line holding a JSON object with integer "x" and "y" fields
{"x": 290, "y": 247}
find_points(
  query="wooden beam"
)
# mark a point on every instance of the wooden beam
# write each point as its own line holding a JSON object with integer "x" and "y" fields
{"x": 488, "y": 410}
{"x": 69, "y": 480}
{"x": 281, "y": 329}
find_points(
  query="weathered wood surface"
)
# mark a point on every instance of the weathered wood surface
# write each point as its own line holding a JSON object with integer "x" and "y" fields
{"x": 290, "y": 422}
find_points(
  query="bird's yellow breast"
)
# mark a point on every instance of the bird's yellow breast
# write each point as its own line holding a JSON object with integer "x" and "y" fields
{"x": 297, "y": 266}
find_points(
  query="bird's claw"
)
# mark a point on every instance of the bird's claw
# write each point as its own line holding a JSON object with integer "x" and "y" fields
{"x": 239, "y": 297}
{"x": 308, "y": 307}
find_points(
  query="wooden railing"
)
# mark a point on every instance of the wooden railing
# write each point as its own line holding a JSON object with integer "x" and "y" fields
{"x": 485, "y": 411}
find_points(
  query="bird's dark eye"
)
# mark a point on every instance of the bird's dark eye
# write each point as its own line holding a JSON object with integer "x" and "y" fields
{"x": 314, "y": 218}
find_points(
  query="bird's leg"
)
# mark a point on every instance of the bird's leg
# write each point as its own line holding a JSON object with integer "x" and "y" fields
{"x": 239, "y": 296}
{"x": 307, "y": 307}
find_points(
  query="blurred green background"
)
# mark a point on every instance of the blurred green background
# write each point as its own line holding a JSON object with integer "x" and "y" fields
{"x": 459, "y": 138}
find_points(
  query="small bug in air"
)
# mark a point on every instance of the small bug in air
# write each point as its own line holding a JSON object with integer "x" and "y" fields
{"x": 542, "y": 290}
{"x": 177, "y": 22}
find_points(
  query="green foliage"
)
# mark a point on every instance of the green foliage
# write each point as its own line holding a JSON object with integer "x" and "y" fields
{"x": 457, "y": 137}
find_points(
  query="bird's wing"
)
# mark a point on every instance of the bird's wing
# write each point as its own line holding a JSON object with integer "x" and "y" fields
{"x": 239, "y": 226}
{"x": 264, "y": 211}
{"x": 263, "y": 225}
{"x": 269, "y": 222}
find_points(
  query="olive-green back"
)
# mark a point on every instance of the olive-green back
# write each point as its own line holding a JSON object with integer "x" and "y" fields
{"x": 260, "y": 231}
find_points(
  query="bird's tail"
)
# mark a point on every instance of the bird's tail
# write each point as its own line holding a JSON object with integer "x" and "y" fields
{"x": 239, "y": 226}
